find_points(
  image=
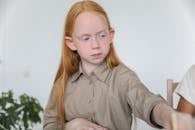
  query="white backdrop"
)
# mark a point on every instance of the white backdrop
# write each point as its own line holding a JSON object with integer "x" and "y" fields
{"x": 154, "y": 38}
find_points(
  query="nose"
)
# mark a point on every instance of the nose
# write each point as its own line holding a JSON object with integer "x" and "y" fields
{"x": 95, "y": 43}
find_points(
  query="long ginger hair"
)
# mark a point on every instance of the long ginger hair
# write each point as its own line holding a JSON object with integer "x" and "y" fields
{"x": 69, "y": 62}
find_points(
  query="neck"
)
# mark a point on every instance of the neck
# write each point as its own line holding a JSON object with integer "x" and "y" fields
{"x": 89, "y": 68}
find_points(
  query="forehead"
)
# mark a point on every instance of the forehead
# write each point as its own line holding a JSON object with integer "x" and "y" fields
{"x": 90, "y": 22}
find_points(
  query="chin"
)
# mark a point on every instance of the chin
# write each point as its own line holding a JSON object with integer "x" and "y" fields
{"x": 97, "y": 61}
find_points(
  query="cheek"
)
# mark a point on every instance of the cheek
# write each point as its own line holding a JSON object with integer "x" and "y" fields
{"x": 82, "y": 50}
{"x": 106, "y": 46}
{"x": 80, "y": 47}
{"x": 108, "y": 49}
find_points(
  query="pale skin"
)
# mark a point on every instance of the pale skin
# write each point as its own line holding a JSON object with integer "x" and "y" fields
{"x": 163, "y": 116}
{"x": 91, "y": 38}
{"x": 82, "y": 124}
{"x": 89, "y": 41}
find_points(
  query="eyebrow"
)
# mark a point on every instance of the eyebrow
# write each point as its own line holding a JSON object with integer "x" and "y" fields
{"x": 86, "y": 34}
{"x": 104, "y": 30}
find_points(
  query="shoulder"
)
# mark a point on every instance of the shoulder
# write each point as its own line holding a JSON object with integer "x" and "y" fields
{"x": 122, "y": 68}
{"x": 124, "y": 73}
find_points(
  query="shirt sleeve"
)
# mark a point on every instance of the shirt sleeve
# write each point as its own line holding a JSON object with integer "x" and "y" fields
{"x": 141, "y": 100}
{"x": 50, "y": 112}
{"x": 186, "y": 88}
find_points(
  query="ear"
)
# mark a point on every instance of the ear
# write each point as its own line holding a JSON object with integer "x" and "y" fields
{"x": 112, "y": 32}
{"x": 69, "y": 42}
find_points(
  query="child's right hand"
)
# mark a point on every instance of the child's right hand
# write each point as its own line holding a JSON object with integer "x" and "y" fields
{"x": 82, "y": 124}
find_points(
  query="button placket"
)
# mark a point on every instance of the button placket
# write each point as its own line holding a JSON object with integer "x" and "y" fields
{"x": 92, "y": 81}
{"x": 92, "y": 95}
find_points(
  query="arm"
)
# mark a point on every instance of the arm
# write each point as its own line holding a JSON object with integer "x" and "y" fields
{"x": 50, "y": 115}
{"x": 163, "y": 115}
{"x": 185, "y": 106}
{"x": 82, "y": 124}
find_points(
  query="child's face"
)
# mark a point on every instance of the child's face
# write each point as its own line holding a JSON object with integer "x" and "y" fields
{"x": 91, "y": 38}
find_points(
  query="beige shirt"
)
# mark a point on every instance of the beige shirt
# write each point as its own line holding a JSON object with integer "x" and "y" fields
{"x": 106, "y": 97}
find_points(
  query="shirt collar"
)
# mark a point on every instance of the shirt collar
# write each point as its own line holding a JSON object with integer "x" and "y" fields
{"x": 77, "y": 74}
{"x": 101, "y": 72}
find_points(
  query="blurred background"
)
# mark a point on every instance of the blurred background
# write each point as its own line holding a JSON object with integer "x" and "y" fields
{"x": 155, "y": 38}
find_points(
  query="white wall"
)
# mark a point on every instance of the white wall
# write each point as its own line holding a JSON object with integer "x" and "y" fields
{"x": 154, "y": 38}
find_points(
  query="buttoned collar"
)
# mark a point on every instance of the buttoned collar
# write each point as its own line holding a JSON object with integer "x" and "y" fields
{"x": 101, "y": 72}
{"x": 77, "y": 74}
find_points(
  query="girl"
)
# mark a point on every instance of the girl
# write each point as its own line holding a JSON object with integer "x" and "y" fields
{"x": 93, "y": 89}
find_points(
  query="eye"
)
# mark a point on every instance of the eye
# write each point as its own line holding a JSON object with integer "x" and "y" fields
{"x": 102, "y": 34}
{"x": 85, "y": 38}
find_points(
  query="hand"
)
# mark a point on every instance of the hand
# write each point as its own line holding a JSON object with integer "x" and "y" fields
{"x": 180, "y": 121}
{"x": 82, "y": 124}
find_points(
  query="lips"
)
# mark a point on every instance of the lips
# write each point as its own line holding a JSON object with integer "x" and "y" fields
{"x": 97, "y": 55}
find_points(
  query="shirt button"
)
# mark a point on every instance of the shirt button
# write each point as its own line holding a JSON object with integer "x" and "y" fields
{"x": 89, "y": 101}
{"x": 90, "y": 82}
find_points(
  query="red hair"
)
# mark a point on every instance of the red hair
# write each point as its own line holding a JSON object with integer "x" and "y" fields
{"x": 69, "y": 63}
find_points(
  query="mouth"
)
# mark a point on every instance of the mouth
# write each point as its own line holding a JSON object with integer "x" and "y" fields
{"x": 96, "y": 56}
